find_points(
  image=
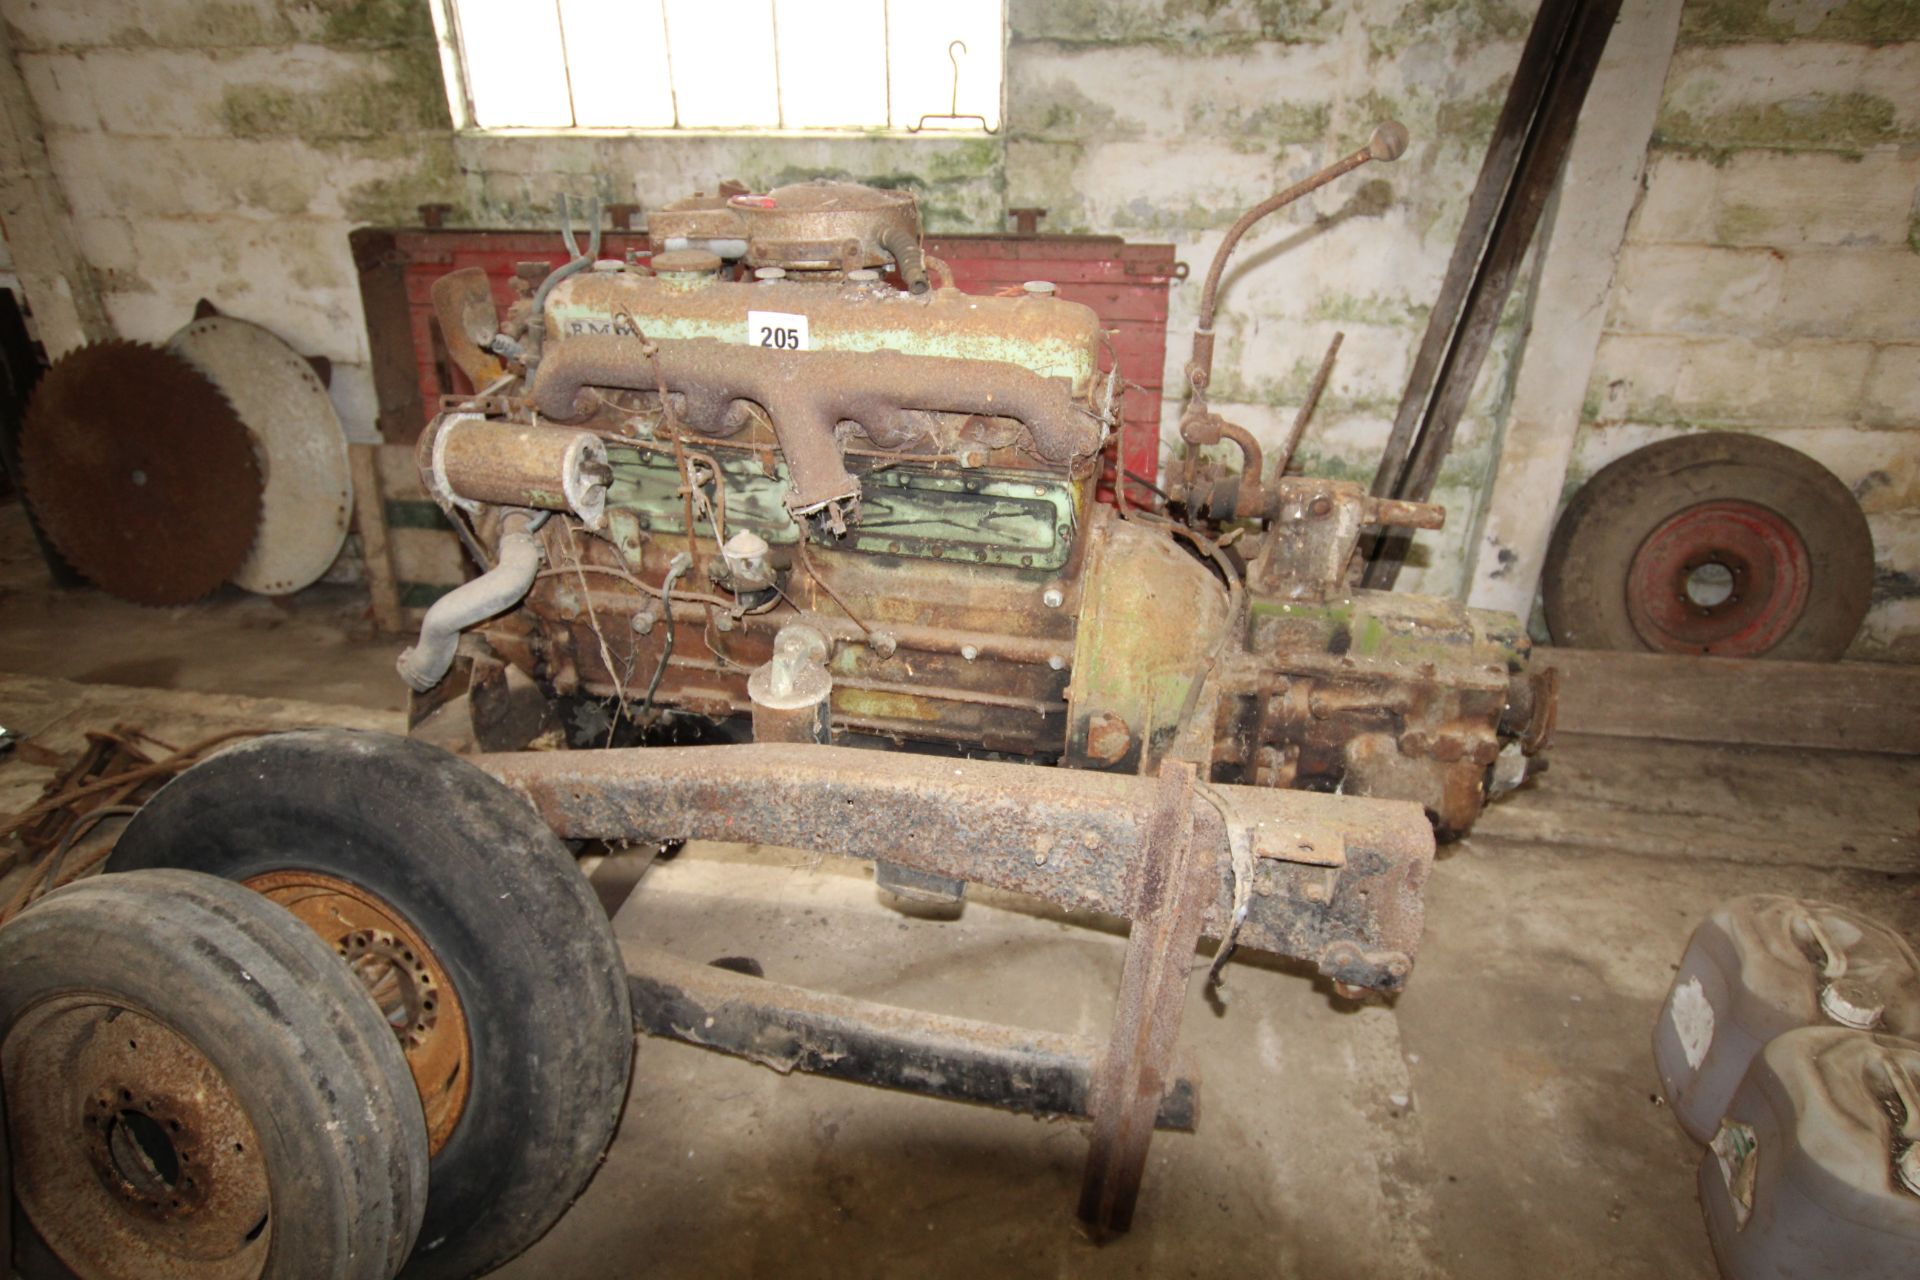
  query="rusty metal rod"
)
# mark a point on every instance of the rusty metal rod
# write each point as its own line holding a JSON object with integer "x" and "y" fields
{"x": 1389, "y": 142}
{"x": 1308, "y": 405}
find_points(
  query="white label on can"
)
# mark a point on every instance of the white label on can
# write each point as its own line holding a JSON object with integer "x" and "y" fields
{"x": 1692, "y": 1021}
{"x": 779, "y": 330}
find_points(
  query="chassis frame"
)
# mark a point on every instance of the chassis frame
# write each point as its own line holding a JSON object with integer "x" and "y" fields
{"x": 1333, "y": 881}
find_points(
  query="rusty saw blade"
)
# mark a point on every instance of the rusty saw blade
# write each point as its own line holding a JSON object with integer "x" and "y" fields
{"x": 140, "y": 472}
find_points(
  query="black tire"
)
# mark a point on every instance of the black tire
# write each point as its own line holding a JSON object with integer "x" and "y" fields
{"x": 1592, "y": 594}
{"x": 491, "y": 891}
{"x": 303, "y": 1131}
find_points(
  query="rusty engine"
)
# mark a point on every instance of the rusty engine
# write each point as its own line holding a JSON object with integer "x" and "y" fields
{"x": 785, "y": 481}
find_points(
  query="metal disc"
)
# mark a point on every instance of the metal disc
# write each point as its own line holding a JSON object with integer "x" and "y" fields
{"x": 308, "y": 500}
{"x": 140, "y": 473}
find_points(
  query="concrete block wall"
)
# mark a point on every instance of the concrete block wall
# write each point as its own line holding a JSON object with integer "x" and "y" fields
{"x": 1770, "y": 280}
{"x": 223, "y": 150}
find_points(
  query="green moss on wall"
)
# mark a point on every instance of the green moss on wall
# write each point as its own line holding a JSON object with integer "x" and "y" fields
{"x": 1710, "y": 22}
{"x": 211, "y": 25}
{"x": 1057, "y": 111}
{"x": 1841, "y": 122}
{"x": 1347, "y": 308}
{"x": 371, "y": 22}
{"x": 1468, "y": 122}
{"x": 1464, "y": 25}
{"x": 1261, "y": 129}
{"x": 411, "y": 97}
{"x": 1177, "y": 26}
{"x": 430, "y": 175}
{"x": 1744, "y": 223}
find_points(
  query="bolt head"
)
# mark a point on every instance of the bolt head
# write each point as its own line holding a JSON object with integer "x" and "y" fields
{"x": 969, "y": 652}
{"x": 1053, "y": 598}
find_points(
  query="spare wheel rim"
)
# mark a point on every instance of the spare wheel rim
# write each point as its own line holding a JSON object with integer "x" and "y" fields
{"x": 1725, "y": 577}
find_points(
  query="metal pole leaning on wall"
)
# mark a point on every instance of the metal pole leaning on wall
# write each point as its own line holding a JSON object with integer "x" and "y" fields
{"x": 1530, "y": 144}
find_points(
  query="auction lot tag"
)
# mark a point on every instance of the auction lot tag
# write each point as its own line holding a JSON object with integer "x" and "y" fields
{"x": 780, "y": 330}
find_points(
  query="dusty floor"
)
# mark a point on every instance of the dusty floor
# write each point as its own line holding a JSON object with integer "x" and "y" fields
{"x": 1500, "y": 1120}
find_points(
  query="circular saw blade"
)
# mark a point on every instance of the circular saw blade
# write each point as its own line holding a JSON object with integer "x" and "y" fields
{"x": 307, "y": 502}
{"x": 140, "y": 472}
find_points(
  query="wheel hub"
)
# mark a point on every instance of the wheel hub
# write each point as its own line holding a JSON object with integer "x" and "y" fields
{"x": 132, "y": 1153}
{"x": 403, "y": 977}
{"x": 1725, "y": 577}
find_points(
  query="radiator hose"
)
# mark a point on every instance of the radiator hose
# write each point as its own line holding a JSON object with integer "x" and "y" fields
{"x": 425, "y": 664}
{"x": 904, "y": 246}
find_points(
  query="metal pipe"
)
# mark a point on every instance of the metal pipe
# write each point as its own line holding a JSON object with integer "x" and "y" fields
{"x": 425, "y": 663}
{"x": 537, "y": 321}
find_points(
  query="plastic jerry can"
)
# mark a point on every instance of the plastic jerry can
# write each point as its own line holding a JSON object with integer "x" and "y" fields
{"x": 1815, "y": 1170}
{"x": 1764, "y": 964}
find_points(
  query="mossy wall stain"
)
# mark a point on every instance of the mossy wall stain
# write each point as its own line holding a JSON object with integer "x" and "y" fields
{"x": 1255, "y": 129}
{"x": 1180, "y": 27}
{"x": 1056, "y": 109}
{"x": 405, "y": 95}
{"x": 1872, "y": 22}
{"x": 348, "y": 23}
{"x": 1840, "y": 122}
{"x": 1458, "y": 25}
{"x": 213, "y": 25}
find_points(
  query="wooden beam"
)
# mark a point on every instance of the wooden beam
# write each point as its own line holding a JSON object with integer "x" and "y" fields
{"x": 1840, "y": 706}
{"x": 370, "y": 517}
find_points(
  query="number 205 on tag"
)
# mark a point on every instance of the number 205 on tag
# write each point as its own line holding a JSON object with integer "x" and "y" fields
{"x": 780, "y": 330}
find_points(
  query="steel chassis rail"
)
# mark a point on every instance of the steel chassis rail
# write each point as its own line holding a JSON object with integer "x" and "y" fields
{"x": 1335, "y": 882}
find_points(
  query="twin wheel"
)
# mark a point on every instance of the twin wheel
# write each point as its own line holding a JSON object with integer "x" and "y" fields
{"x": 346, "y": 1008}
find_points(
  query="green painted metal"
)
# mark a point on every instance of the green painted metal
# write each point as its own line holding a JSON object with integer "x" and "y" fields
{"x": 1015, "y": 519}
{"x": 1151, "y": 617}
{"x": 1382, "y": 630}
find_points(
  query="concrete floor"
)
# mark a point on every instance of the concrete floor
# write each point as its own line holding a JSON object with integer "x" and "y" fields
{"x": 1499, "y": 1120}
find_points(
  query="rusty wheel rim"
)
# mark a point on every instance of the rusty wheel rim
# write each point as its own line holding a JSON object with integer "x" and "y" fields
{"x": 1725, "y": 577}
{"x": 132, "y": 1155}
{"x": 402, "y": 975}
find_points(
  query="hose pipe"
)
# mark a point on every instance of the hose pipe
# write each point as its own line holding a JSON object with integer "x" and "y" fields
{"x": 904, "y": 246}
{"x": 425, "y": 664}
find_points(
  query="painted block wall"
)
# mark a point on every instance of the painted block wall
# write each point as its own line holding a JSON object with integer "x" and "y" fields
{"x": 224, "y": 149}
{"x": 1770, "y": 281}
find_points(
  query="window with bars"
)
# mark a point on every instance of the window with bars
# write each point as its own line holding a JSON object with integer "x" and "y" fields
{"x": 766, "y": 65}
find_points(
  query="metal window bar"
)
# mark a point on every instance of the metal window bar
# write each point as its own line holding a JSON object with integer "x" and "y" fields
{"x": 451, "y": 12}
